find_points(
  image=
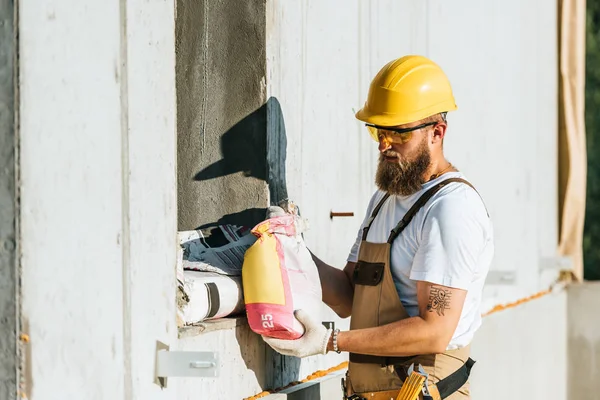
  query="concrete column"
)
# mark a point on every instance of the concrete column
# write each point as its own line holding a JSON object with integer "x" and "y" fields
{"x": 583, "y": 341}
{"x": 9, "y": 313}
{"x": 98, "y": 220}
{"x": 74, "y": 182}
{"x": 221, "y": 112}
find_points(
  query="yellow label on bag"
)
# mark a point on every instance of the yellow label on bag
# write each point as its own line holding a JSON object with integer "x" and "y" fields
{"x": 261, "y": 273}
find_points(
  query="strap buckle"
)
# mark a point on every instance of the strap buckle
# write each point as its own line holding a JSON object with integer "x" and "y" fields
{"x": 355, "y": 397}
{"x": 421, "y": 371}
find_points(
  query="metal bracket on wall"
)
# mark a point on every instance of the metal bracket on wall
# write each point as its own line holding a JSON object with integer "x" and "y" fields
{"x": 204, "y": 364}
{"x": 501, "y": 278}
{"x": 559, "y": 263}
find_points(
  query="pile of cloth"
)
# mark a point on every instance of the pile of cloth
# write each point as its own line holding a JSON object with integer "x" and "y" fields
{"x": 209, "y": 269}
{"x": 209, "y": 273}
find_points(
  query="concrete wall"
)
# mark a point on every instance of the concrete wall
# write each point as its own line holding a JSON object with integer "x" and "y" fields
{"x": 221, "y": 121}
{"x": 502, "y": 62}
{"x": 320, "y": 59}
{"x": 265, "y": 99}
{"x": 521, "y": 353}
{"x": 151, "y": 202}
{"x": 8, "y": 206}
{"x": 246, "y": 360}
{"x": 583, "y": 341}
{"x": 98, "y": 193}
{"x": 72, "y": 190}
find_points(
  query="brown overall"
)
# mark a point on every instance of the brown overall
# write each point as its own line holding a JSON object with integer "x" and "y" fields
{"x": 376, "y": 303}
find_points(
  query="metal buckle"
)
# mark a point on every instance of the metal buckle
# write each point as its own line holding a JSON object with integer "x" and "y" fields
{"x": 355, "y": 397}
{"x": 421, "y": 371}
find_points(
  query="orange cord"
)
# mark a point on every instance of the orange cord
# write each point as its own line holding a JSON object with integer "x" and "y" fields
{"x": 501, "y": 307}
{"x": 565, "y": 277}
{"x": 313, "y": 376}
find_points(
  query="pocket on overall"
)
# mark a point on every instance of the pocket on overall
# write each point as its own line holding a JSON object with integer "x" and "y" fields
{"x": 367, "y": 273}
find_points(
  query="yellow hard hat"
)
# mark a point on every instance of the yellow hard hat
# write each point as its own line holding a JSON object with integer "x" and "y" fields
{"x": 406, "y": 90}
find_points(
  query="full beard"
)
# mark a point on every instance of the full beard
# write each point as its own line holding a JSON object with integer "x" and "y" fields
{"x": 403, "y": 177}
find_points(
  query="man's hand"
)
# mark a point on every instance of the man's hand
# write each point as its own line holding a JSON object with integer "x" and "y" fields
{"x": 314, "y": 341}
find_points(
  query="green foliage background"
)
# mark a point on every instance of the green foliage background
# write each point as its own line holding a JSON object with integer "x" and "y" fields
{"x": 591, "y": 238}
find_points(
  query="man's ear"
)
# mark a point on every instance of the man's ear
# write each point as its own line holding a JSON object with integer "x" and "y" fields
{"x": 439, "y": 132}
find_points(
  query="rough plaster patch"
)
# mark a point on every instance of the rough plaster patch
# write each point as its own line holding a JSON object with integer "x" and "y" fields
{"x": 8, "y": 209}
{"x": 220, "y": 74}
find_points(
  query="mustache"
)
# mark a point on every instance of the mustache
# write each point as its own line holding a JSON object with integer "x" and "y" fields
{"x": 390, "y": 153}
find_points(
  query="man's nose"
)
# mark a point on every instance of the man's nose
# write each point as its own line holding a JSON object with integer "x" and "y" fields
{"x": 384, "y": 144}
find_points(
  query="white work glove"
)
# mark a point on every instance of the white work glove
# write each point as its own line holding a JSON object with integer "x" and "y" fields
{"x": 314, "y": 341}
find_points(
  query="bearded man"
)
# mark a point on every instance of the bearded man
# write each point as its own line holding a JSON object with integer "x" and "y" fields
{"x": 414, "y": 278}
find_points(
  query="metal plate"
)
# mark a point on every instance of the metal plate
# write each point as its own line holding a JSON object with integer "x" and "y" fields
{"x": 187, "y": 364}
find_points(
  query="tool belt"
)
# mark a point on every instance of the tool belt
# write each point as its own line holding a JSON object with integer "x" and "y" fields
{"x": 437, "y": 391}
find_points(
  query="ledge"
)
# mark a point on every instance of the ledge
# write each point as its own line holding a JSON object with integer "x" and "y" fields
{"x": 212, "y": 325}
{"x": 327, "y": 387}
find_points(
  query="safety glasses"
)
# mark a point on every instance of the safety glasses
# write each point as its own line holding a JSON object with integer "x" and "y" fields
{"x": 394, "y": 135}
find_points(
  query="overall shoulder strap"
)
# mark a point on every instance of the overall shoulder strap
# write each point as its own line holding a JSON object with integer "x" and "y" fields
{"x": 372, "y": 217}
{"x": 425, "y": 197}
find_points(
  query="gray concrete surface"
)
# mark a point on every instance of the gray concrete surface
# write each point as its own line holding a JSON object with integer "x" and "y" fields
{"x": 231, "y": 153}
{"x": 221, "y": 112}
{"x": 521, "y": 352}
{"x": 583, "y": 324}
{"x": 8, "y": 210}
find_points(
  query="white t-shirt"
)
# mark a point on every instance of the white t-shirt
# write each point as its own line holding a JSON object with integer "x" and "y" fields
{"x": 449, "y": 242}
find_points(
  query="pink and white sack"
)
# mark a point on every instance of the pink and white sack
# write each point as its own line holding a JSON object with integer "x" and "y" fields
{"x": 279, "y": 277}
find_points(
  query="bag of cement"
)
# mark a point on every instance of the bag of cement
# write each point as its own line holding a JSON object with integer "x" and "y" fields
{"x": 279, "y": 276}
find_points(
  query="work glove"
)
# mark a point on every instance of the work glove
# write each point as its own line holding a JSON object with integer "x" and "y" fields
{"x": 314, "y": 341}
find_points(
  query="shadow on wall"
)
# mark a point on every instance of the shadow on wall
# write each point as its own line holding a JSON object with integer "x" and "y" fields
{"x": 256, "y": 146}
{"x": 271, "y": 369}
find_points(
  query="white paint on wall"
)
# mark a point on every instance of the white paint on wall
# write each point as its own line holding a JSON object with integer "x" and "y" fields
{"x": 521, "y": 353}
{"x": 245, "y": 364}
{"x": 242, "y": 368}
{"x": 152, "y": 188}
{"x": 71, "y": 199}
{"x": 97, "y": 196}
{"x": 502, "y": 63}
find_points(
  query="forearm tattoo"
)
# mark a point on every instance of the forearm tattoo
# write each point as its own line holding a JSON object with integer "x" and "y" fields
{"x": 439, "y": 300}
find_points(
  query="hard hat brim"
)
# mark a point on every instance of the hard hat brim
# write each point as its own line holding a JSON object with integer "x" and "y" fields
{"x": 383, "y": 119}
